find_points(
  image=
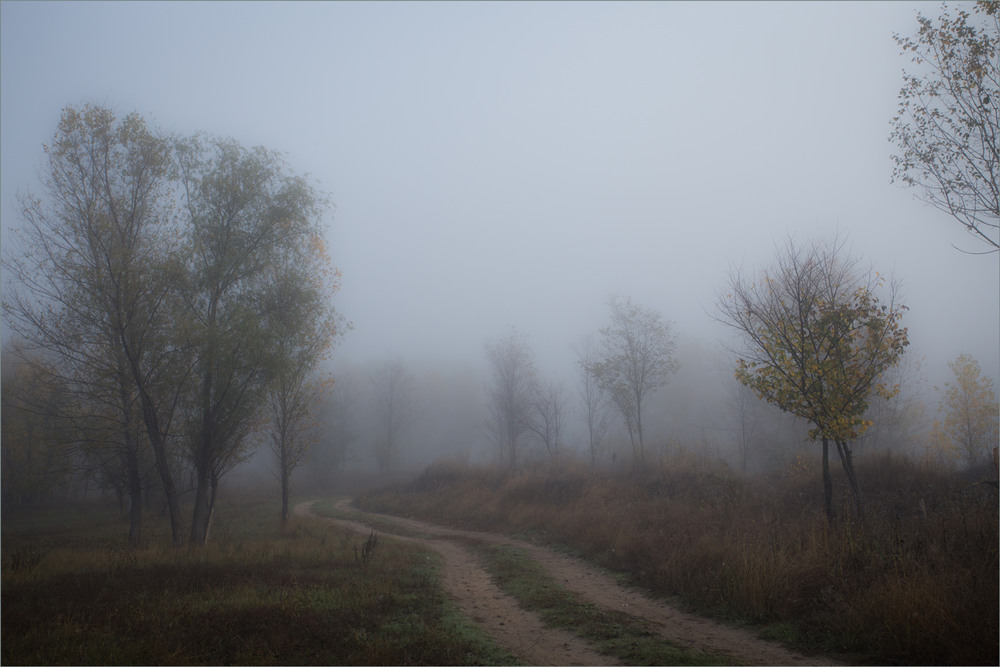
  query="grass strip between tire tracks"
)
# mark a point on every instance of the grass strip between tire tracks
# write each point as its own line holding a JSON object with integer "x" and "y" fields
{"x": 612, "y": 632}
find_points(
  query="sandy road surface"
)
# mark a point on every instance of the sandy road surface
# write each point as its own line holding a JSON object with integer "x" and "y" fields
{"x": 523, "y": 633}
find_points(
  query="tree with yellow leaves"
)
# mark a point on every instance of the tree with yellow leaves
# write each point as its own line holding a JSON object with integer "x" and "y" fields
{"x": 971, "y": 411}
{"x": 818, "y": 342}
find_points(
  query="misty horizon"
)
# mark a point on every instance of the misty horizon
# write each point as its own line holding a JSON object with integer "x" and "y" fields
{"x": 501, "y": 166}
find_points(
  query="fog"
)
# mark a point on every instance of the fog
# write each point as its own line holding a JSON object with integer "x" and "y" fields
{"x": 513, "y": 165}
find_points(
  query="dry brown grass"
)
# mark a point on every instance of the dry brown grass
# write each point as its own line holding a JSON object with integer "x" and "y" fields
{"x": 916, "y": 582}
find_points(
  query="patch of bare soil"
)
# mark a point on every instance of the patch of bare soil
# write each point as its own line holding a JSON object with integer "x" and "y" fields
{"x": 523, "y": 633}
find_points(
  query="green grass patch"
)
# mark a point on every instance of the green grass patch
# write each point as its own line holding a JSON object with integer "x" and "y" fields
{"x": 612, "y": 632}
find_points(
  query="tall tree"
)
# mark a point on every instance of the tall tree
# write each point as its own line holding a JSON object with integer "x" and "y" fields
{"x": 971, "y": 411}
{"x": 94, "y": 270}
{"x": 743, "y": 421}
{"x": 395, "y": 410}
{"x": 635, "y": 361}
{"x": 303, "y": 328}
{"x": 818, "y": 341}
{"x": 595, "y": 401}
{"x": 545, "y": 415}
{"x": 244, "y": 211}
{"x": 510, "y": 395}
{"x": 946, "y": 128}
{"x": 164, "y": 275}
{"x": 336, "y": 430}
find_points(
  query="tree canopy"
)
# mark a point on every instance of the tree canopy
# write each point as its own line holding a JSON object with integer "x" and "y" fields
{"x": 635, "y": 360}
{"x": 947, "y": 124}
{"x": 510, "y": 395}
{"x": 971, "y": 410}
{"x": 818, "y": 340}
{"x": 175, "y": 280}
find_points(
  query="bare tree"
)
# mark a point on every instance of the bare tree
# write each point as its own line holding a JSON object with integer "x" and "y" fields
{"x": 546, "y": 415}
{"x": 395, "y": 409}
{"x": 636, "y": 359}
{"x": 743, "y": 421}
{"x": 946, "y": 129}
{"x": 336, "y": 430}
{"x": 303, "y": 328}
{"x": 510, "y": 395}
{"x": 595, "y": 401}
{"x": 818, "y": 343}
{"x": 291, "y": 398}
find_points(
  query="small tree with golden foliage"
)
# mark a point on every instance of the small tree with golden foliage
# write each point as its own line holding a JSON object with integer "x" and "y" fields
{"x": 971, "y": 411}
{"x": 818, "y": 342}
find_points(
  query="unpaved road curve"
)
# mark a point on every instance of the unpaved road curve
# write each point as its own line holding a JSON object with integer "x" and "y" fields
{"x": 477, "y": 596}
{"x": 469, "y": 584}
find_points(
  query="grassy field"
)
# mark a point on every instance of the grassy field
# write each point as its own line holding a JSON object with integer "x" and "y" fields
{"x": 916, "y": 582}
{"x": 72, "y": 593}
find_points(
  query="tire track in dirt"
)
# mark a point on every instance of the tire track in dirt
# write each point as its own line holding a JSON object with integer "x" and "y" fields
{"x": 472, "y": 588}
{"x": 683, "y": 629}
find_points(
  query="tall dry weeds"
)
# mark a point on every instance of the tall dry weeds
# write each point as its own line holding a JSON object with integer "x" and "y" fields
{"x": 915, "y": 583}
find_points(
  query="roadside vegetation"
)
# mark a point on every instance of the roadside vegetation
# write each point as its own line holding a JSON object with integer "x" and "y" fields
{"x": 915, "y": 582}
{"x": 612, "y": 632}
{"x": 73, "y": 592}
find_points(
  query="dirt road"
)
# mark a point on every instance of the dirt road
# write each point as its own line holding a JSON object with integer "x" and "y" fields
{"x": 525, "y": 635}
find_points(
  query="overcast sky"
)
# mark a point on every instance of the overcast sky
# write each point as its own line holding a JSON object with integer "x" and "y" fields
{"x": 514, "y": 164}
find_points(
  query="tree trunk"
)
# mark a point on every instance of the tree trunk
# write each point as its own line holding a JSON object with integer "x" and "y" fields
{"x": 152, "y": 422}
{"x": 203, "y": 461}
{"x": 211, "y": 506}
{"x": 285, "y": 483}
{"x": 847, "y": 461}
{"x": 148, "y": 490}
{"x": 204, "y": 509}
{"x": 636, "y": 458}
{"x": 135, "y": 497}
{"x": 827, "y": 482}
{"x": 286, "y": 475}
{"x": 201, "y": 515}
{"x": 638, "y": 427}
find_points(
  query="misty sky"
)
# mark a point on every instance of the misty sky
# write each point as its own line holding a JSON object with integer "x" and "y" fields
{"x": 514, "y": 164}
